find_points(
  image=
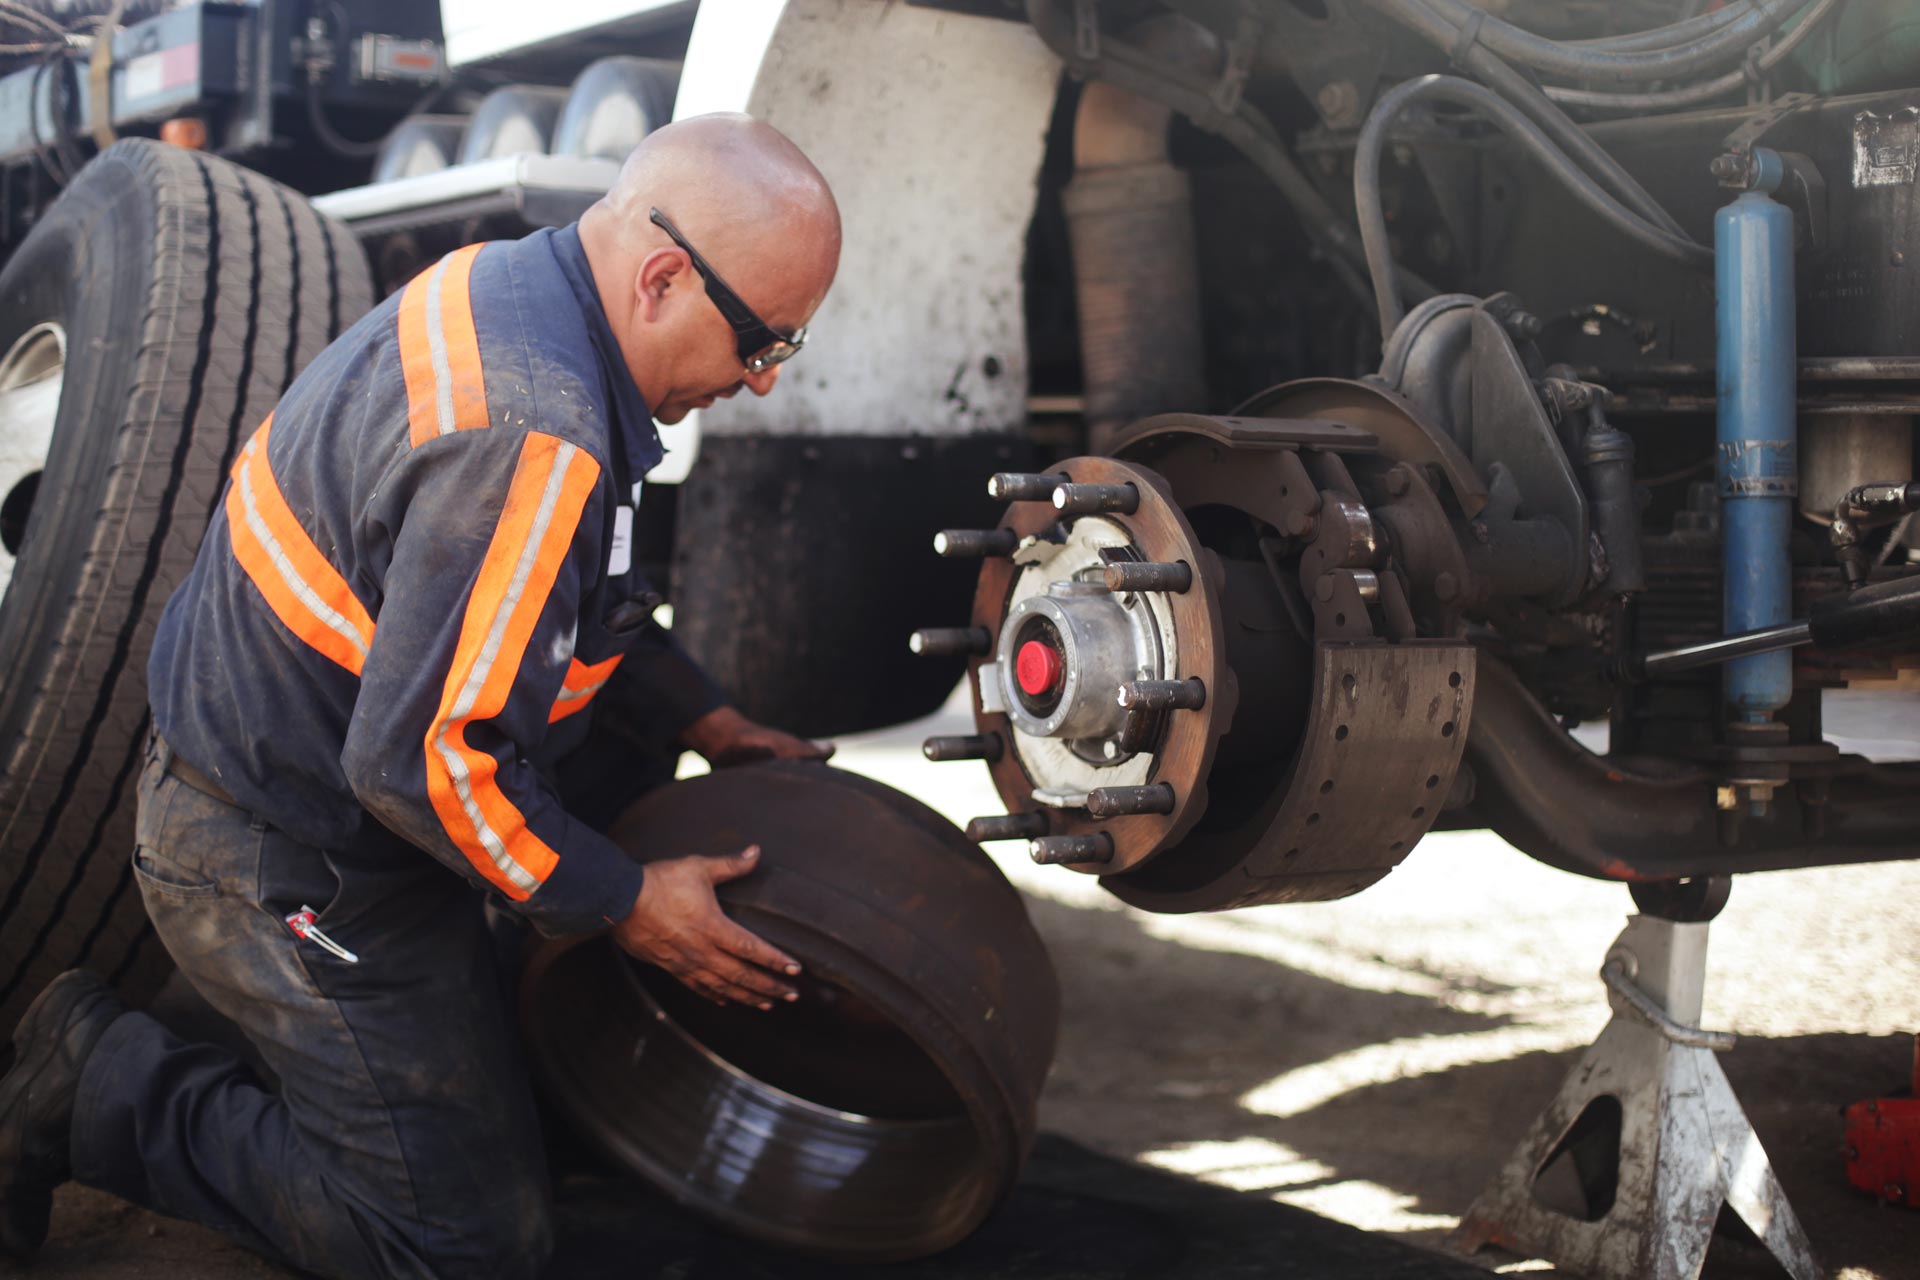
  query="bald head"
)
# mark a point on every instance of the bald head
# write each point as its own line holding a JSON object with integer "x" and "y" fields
{"x": 754, "y": 207}
{"x": 738, "y": 184}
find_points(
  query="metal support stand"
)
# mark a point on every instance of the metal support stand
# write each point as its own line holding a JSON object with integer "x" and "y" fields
{"x": 1653, "y": 1129}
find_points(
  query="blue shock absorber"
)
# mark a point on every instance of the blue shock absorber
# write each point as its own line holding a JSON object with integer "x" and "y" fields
{"x": 1759, "y": 470}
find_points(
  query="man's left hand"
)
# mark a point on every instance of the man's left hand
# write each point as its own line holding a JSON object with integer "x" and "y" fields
{"x": 725, "y": 737}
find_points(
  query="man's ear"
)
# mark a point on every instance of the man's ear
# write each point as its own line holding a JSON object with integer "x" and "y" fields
{"x": 659, "y": 272}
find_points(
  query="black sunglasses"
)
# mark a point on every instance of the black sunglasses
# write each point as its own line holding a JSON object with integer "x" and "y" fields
{"x": 761, "y": 345}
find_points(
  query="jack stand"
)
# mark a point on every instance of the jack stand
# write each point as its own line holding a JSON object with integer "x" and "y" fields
{"x": 1650, "y": 1123}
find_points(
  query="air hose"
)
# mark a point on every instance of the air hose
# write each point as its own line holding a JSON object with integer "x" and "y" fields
{"x": 1575, "y": 62}
{"x": 1705, "y": 90}
{"x": 1240, "y": 124}
{"x": 1465, "y": 93}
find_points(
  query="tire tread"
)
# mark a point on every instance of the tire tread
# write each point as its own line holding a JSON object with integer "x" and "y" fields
{"x": 248, "y": 284}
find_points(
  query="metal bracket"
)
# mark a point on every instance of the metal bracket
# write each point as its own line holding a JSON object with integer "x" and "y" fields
{"x": 1677, "y": 1145}
{"x": 1241, "y": 51}
{"x": 1086, "y": 30}
{"x": 1803, "y": 188}
{"x": 1886, "y": 149}
{"x": 1511, "y": 428}
{"x": 1755, "y": 126}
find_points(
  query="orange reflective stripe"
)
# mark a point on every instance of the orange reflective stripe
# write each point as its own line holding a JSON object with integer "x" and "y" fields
{"x": 550, "y": 487}
{"x": 416, "y": 362}
{"x": 581, "y": 684}
{"x": 440, "y": 352}
{"x": 468, "y": 383}
{"x": 302, "y": 588}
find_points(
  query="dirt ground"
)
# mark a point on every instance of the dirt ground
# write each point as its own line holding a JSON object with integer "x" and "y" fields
{"x": 1374, "y": 1060}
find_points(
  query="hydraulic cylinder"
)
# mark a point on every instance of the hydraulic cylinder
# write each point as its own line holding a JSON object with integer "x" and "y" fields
{"x": 1758, "y": 465}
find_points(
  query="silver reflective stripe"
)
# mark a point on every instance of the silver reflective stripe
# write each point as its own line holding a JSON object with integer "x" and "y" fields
{"x": 284, "y": 566}
{"x": 437, "y": 347}
{"x": 477, "y": 678}
{"x": 578, "y": 695}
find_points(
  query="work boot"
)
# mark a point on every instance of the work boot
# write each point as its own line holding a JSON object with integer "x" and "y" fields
{"x": 51, "y": 1044}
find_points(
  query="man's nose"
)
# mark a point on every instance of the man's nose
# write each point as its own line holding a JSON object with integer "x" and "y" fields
{"x": 762, "y": 382}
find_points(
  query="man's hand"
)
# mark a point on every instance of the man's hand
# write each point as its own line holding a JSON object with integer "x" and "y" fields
{"x": 725, "y": 737}
{"x": 676, "y": 923}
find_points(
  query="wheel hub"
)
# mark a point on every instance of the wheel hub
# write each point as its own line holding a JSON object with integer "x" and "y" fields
{"x": 1069, "y": 642}
{"x": 1065, "y": 642}
{"x": 32, "y": 374}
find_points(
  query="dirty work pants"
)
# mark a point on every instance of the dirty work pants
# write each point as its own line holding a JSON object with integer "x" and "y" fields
{"x": 401, "y": 1138}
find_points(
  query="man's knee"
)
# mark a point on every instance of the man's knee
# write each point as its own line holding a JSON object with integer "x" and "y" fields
{"x": 511, "y": 1242}
{"x": 522, "y": 1246}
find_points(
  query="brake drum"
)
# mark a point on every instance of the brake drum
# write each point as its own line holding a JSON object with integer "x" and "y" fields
{"x": 884, "y": 1114}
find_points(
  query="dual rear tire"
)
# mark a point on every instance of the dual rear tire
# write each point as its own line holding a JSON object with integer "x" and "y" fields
{"x": 174, "y": 296}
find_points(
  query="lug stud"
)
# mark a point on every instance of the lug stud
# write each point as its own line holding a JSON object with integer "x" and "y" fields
{"x": 1093, "y": 499}
{"x": 1138, "y": 732}
{"x": 1141, "y": 575}
{"x": 967, "y": 746}
{"x": 1054, "y": 851}
{"x": 963, "y": 544}
{"x": 1163, "y": 695}
{"x": 1019, "y": 486}
{"x": 951, "y": 642}
{"x": 1120, "y": 802}
{"x": 1008, "y": 826}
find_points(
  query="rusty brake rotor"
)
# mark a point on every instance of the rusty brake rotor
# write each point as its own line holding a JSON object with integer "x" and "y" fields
{"x": 1199, "y": 669}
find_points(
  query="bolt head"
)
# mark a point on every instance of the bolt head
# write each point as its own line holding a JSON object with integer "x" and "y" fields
{"x": 1323, "y": 588}
{"x": 1445, "y": 587}
{"x": 1338, "y": 101}
{"x": 1398, "y": 482}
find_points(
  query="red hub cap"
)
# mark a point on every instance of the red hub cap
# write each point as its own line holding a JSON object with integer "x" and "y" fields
{"x": 1037, "y": 667}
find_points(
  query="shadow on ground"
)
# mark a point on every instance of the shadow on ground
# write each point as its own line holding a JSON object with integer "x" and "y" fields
{"x": 1174, "y": 1039}
{"x": 1076, "y": 1215}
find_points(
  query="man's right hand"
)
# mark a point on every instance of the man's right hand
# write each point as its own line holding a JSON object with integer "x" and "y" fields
{"x": 676, "y": 923}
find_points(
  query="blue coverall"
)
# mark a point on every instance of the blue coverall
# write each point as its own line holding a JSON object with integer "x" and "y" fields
{"x": 420, "y": 579}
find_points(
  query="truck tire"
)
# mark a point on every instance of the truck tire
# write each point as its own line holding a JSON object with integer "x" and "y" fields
{"x": 181, "y": 294}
